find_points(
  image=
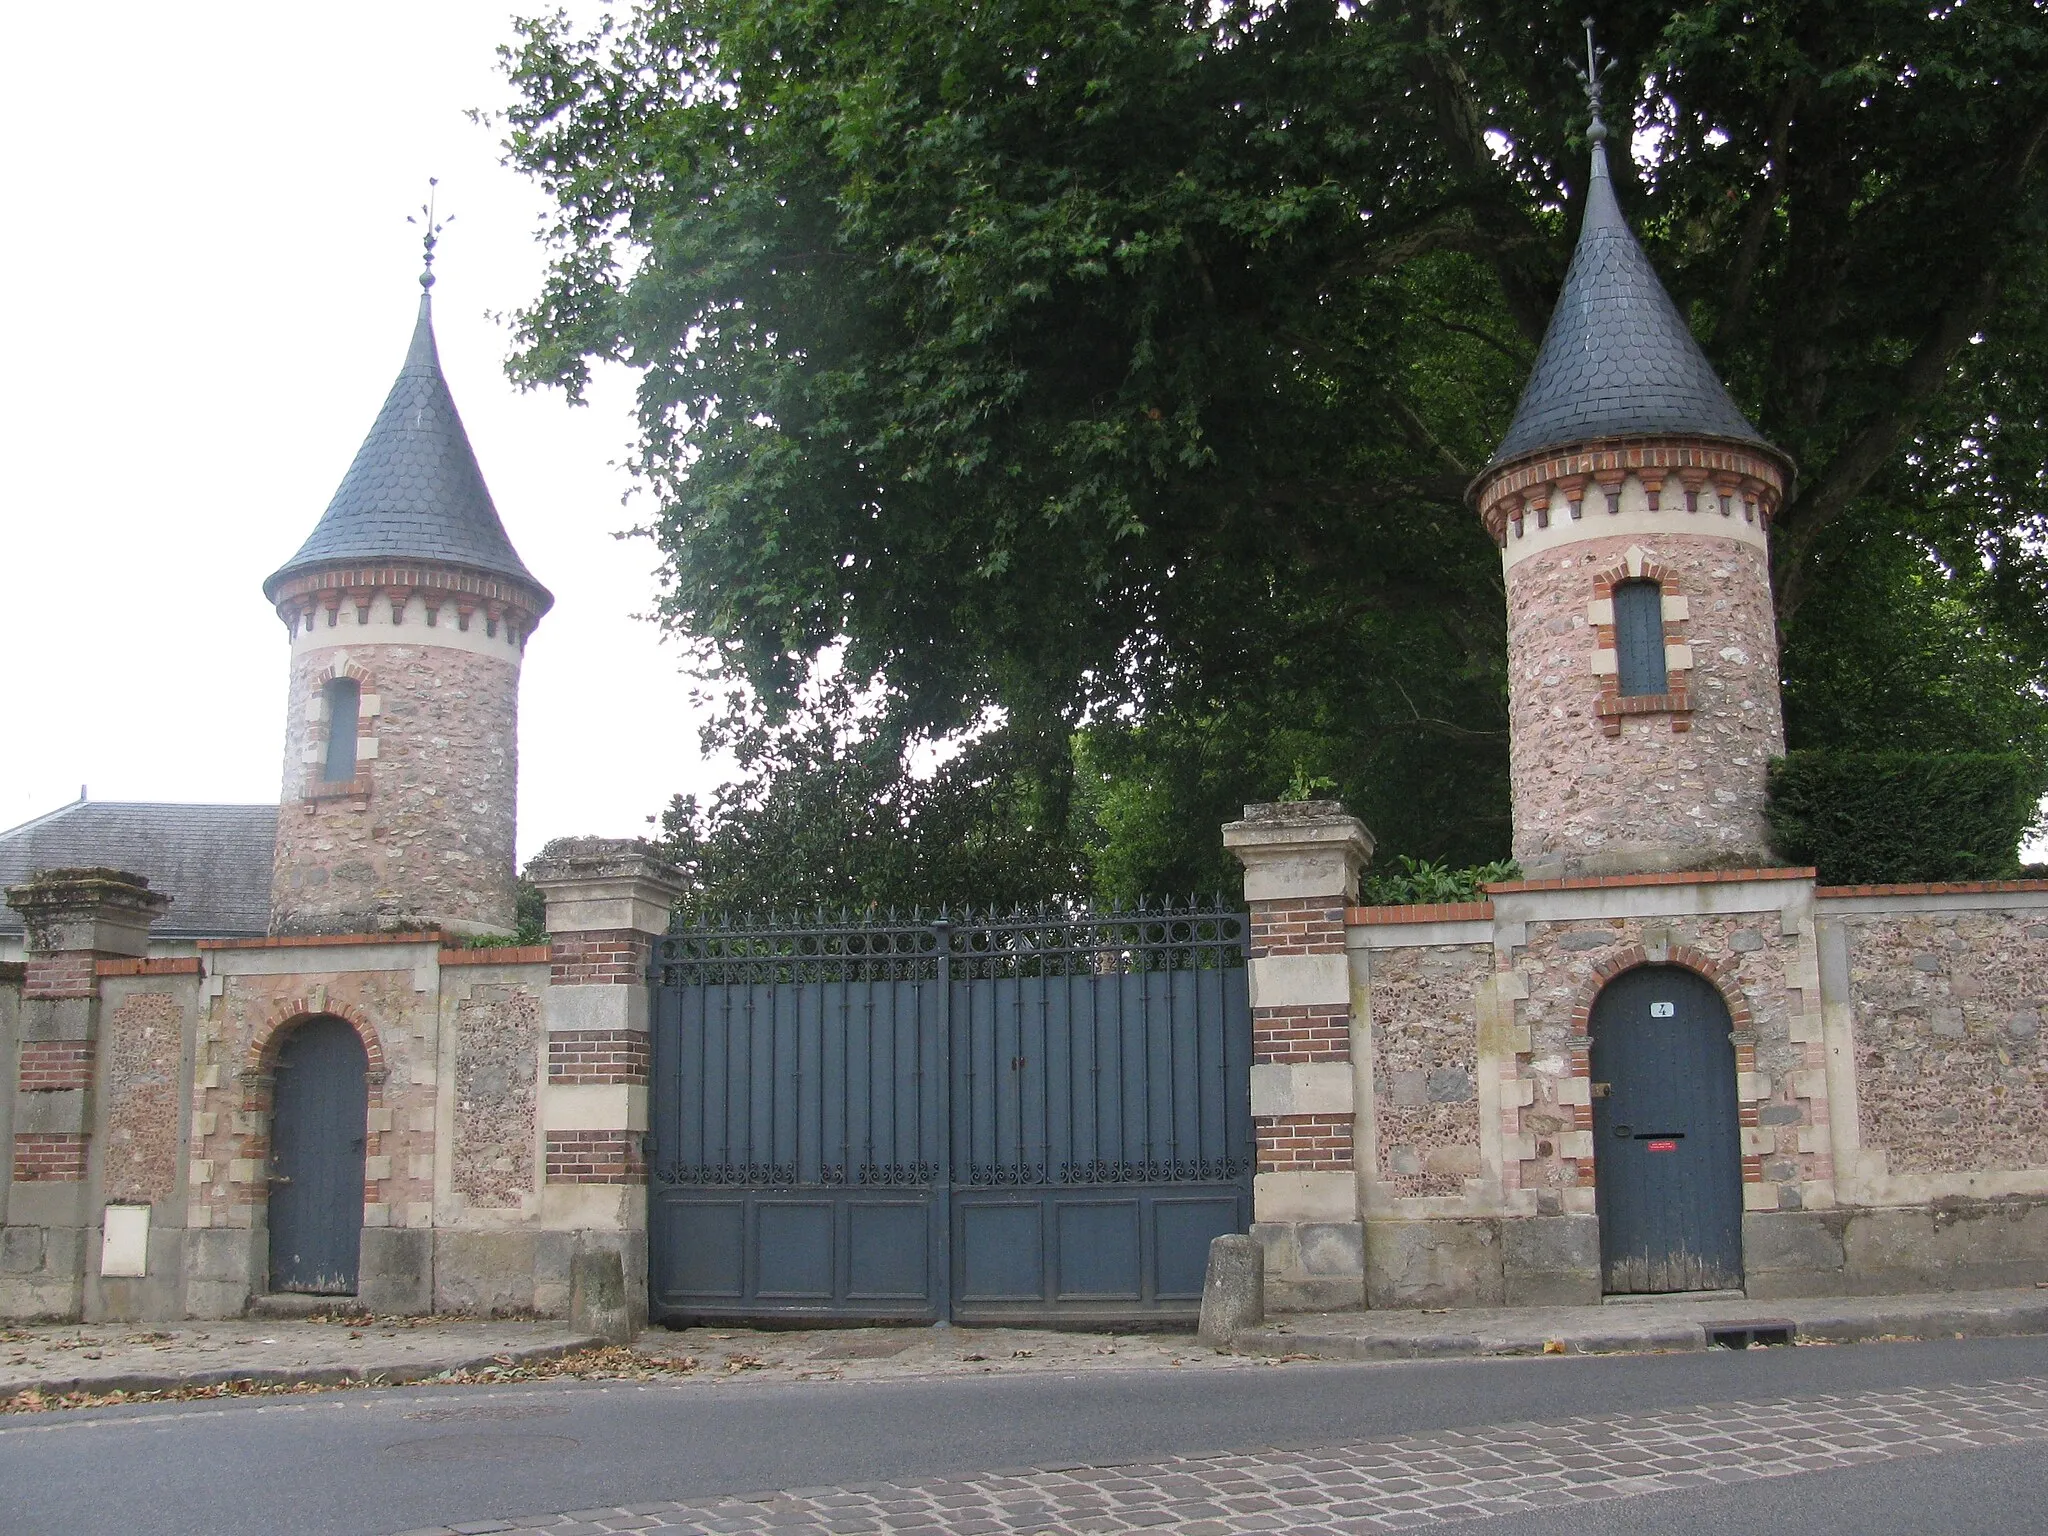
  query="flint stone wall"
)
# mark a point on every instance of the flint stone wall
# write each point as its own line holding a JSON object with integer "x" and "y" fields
{"x": 424, "y": 837}
{"x": 1951, "y": 1062}
{"x": 1425, "y": 1066}
{"x": 1651, "y": 798}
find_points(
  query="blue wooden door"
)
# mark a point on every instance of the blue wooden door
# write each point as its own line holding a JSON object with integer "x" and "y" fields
{"x": 1667, "y": 1140}
{"x": 319, "y": 1123}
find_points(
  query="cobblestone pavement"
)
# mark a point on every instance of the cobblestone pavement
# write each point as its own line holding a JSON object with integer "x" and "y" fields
{"x": 1386, "y": 1485}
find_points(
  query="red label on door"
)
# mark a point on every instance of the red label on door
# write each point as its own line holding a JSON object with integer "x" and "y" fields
{"x": 1661, "y": 1146}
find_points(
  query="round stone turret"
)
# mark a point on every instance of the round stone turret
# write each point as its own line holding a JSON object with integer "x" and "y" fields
{"x": 409, "y": 613}
{"x": 1632, "y": 504}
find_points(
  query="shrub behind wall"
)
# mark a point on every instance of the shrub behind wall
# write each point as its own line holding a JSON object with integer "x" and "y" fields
{"x": 1879, "y": 818}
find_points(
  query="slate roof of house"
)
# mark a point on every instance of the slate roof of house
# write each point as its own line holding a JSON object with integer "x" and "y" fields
{"x": 1619, "y": 359}
{"x": 414, "y": 491}
{"x": 212, "y": 860}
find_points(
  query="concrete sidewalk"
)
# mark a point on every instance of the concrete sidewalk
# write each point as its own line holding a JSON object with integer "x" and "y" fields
{"x": 53, "y": 1361}
{"x": 71, "y": 1364}
{"x": 1643, "y": 1325}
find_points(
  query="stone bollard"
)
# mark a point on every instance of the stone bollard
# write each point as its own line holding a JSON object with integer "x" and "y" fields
{"x": 597, "y": 1296}
{"x": 1234, "y": 1290}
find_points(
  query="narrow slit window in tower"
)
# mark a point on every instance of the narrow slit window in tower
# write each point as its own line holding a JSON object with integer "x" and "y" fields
{"x": 344, "y": 699}
{"x": 1639, "y": 637}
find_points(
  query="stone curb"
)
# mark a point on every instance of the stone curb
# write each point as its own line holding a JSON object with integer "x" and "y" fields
{"x": 400, "y": 1375}
{"x": 1614, "y": 1336}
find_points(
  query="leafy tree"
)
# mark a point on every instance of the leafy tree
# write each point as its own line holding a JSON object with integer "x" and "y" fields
{"x": 1113, "y": 369}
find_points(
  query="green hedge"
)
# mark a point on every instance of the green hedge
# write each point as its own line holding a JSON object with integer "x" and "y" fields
{"x": 1879, "y": 818}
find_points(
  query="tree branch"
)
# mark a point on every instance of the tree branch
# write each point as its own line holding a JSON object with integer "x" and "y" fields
{"x": 1924, "y": 376}
{"x": 1735, "y": 311}
{"x": 1463, "y": 120}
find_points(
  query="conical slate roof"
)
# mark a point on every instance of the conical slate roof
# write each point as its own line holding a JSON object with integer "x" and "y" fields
{"x": 414, "y": 491}
{"x": 1618, "y": 360}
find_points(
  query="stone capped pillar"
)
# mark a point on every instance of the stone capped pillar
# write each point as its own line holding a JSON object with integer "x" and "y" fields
{"x": 1301, "y": 865}
{"x": 608, "y": 903}
{"x": 73, "y": 918}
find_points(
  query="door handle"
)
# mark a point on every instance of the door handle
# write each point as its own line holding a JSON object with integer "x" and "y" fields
{"x": 280, "y": 1178}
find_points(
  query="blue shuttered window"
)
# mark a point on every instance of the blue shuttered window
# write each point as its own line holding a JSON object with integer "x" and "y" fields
{"x": 344, "y": 702}
{"x": 1639, "y": 637}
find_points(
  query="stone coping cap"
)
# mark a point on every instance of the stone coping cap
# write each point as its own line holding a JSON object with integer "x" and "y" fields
{"x": 498, "y": 954}
{"x": 1422, "y": 912}
{"x": 86, "y": 886}
{"x": 179, "y": 965}
{"x": 1935, "y": 888}
{"x": 1673, "y": 877}
{"x": 602, "y": 858}
{"x": 327, "y": 940}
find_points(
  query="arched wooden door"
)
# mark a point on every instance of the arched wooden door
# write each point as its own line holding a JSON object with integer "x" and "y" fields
{"x": 319, "y": 1124}
{"x": 1667, "y": 1151}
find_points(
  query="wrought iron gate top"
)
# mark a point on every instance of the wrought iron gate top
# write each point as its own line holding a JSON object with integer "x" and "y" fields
{"x": 967, "y": 945}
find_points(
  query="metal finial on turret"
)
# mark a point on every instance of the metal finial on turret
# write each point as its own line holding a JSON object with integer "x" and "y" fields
{"x": 1589, "y": 77}
{"x": 432, "y": 229}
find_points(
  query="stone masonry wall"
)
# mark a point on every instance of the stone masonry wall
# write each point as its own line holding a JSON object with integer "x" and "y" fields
{"x": 1771, "y": 982}
{"x": 239, "y": 1038}
{"x": 1425, "y": 1061}
{"x": 423, "y": 836}
{"x": 1951, "y": 1063}
{"x": 497, "y": 1097}
{"x": 1674, "y": 789}
{"x": 140, "y": 1081}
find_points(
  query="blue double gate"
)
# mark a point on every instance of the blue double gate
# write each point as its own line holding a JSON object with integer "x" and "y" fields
{"x": 1039, "y": 1117}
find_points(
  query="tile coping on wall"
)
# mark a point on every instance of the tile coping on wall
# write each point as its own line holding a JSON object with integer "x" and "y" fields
{"x": 1431, "y": 912}
{"x": 498, "y": 954}
{"x": 185, "y": 965}
{"x": 316, "y": 940}
{"x": 1934, "y": 888}
{"x": 1674, "y": 877}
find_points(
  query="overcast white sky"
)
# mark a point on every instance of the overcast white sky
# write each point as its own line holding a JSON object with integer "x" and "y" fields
{"x": 210, "y": 286}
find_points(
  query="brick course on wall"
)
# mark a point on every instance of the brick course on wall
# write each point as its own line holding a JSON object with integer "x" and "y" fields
{"x": 425, "y": 834}
{"x": 1951, "y": 1063}
{"x": 1649, "y": 797}
{"x": 48, "y": 1065}
{"x": 1304, "y": 1143}
{"x": 599, "y": 1056}
{"x": 69, "y": 974}
{"x": 596, "y": 1157}
{"x": 46, "y": 1157}
{"x": 617, "y": 959}
{"x": 1297, "y": 926}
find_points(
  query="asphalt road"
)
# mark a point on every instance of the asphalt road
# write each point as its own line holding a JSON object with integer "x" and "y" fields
{"x": 363, "y": 1464}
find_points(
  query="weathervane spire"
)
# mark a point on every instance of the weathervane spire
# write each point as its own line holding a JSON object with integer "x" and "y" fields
{"x": 431, "y": 234}
{"x": 1589, "y": 77}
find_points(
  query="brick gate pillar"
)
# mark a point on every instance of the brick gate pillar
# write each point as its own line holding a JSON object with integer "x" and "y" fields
{"x": 1301, "y": 865}
{"x": 73, "y": 918}
{"x": 608, "y": 901}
